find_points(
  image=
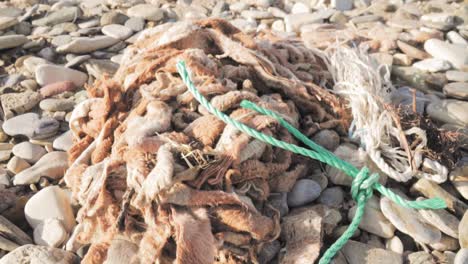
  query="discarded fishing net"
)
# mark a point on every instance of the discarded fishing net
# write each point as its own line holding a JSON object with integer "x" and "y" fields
{"x": 153, "y": 167}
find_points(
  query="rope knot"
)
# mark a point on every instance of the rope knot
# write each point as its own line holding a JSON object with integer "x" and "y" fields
{"x": 363, "y": 184}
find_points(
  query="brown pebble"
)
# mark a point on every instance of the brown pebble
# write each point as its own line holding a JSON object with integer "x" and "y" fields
{"x": 57, "y": 88}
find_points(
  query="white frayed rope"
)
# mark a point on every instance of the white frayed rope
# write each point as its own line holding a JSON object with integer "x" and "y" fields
{"x": 367, "y": 88}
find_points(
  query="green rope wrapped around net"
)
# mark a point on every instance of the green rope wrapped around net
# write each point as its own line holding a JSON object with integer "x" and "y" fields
{"x": 362, "y": 186}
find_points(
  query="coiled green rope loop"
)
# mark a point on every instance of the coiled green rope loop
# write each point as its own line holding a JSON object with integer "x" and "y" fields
{"x": 362, "y": 186}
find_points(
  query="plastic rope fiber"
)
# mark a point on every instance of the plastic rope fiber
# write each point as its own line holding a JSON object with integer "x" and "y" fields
{"x": 362, "y": 186}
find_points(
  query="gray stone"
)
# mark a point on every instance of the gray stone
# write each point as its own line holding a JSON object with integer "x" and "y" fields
{"x": 446, "y": 243}
{"x": 5, "y": 151}
{"x": 328, "y": 139}
{"x": 403, "y": 97}
{"x": 112, "y": 17}
{"x": 412, "y": 76}
{"x": 256, "y": 14}
{"x": 61, "y": 40}
{"x": 146, "y": 11}
{"x": 408, "y": 221}
{"x": 373, "y": 220}
{"x": 303, "y": 192}
{"x": 455, "y": 54}
{"x": 39, "y": 254}
{"x": 294, "y": 22}
{"x": 461, "y": 257}
{"x": 31, "y": 126}
{"x": 56, "y": 104}
{"x": 269, "y": 251}
{"x": 360, "y": 253}
{"x": 47, "y": 74}
{"x": 459, "y": 174}
{"x": 77, "y": 60}
{"x": 64, "y": 15}
{"x": 52, "y": 165}
{"x": 449, "y": 111}
{"x": 441, "y": 21}
{"x": 31, "y": 63}
{"x": 28, "y": 151}
{"x": 457, "y": 90}
{"x": 86, "y": 45}
{"x": 332, "y": 197}
{"x": 12, "y": 41}
{"x": 117, "y": 31}
{"x": 58, "y": 207}
{"x": 135, "y": 23}
{"x": 342, "y": 5}
{"x": 19, "y": 103}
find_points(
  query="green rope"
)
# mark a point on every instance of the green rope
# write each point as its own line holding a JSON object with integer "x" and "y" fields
{"x": 362, "y": 186}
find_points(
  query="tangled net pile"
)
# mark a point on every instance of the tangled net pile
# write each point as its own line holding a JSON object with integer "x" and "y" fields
{"x": 151, "y": 166}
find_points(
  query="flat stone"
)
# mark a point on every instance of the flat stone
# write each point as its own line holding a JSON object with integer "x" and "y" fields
{"x": 411, "y": 51}
{"x": 432, "y": 65}
{"x": 52, "y": 165}
{"x": 6, "y": 22}
{"x": 12, "y": 233}
{"x": 77, "y": 60}
{"x": 50, "y": 232}
{"x": 408, "y": 221}
{"x": 443, "y": 220}
{"x": 303, "y": 192}
{"x": 457, "y": 76}
{"x": 302, "y": 232}
{"x": 57, "y": 88}
{"x": 57, "y": 104}
{"x": 431, "y": 189}
{"x": 135, "y": 23}
{"x": 373, "y": 220}
{"x": 39, "y": 254}
{"x": 441, "y": 21}
{"x": 87, "y": 45}
{"x": 449, "y": 111}
{"x": 99, "y": 68}
{"x": 146, "y": 11}
{"x": 256, "y": 14}
{"x": 17, "y": 165}
{"x": 28, "y": 151}
{"x": 58, "y": 207}
{"x": 350, "y": 154}
{"x": 31, "y": 126}
{"x": 463, "y": 231}
{"x": 12, "y": 41}
{"x": 63, "y": 15}
{"x": 112, "y": 17}
{"x": 117, "y": 31}
{"x": 294, "y": 22}
{"x": 61, "y": 40}
{"x": 11, "y": 11}
{"x": 457, "y": 90}
{"x": 360, "y": 253}
{"x": 121, "y": 251}
{"x": 455, "y": 54}
{"x": 402, "y": 59}
{"x": 461, "y": 257}
{"x": 48, "y": 74}
{"x": 19, "y": 103}
{"x": 299, "y": 8}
